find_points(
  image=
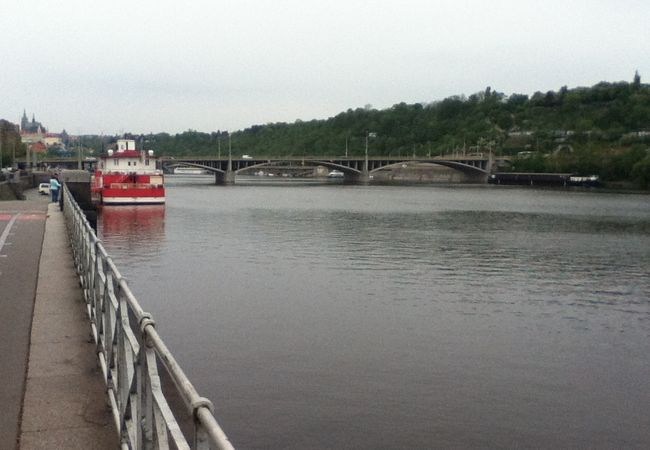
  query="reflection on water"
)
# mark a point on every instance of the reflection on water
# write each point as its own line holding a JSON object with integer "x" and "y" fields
{"x": 419, "y": 317}
{"x": 135, "y": 230}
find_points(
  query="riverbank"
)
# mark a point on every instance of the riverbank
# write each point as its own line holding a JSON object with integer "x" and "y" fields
{"x": 424, "y": 173}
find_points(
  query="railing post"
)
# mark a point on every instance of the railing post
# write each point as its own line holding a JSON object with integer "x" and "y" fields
{"x": 200, "y": 437}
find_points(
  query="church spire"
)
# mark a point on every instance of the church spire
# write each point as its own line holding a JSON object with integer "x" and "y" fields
{"x": 24, "y": 122}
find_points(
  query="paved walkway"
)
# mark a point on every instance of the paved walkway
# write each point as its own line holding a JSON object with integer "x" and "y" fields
{"x": 64, "y": 402}
{"x": 22, "y": 225}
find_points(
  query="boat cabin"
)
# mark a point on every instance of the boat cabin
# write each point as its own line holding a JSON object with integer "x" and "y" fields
{"x": 126, "y": 159}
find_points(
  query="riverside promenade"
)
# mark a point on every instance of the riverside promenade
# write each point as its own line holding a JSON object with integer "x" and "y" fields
{"x": 51, "y": 389}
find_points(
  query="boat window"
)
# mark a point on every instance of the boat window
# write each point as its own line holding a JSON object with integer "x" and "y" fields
{"x": 116, "y": 162}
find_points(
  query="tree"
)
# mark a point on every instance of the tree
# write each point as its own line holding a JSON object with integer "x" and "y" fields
{"x": 641, "y": 172}
{"x": 10, "y": 142}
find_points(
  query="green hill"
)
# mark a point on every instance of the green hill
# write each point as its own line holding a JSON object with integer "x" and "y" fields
{"x": 603, "y": 130}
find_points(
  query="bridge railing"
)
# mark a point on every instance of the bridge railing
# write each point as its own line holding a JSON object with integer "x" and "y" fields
{"x": 130, "y": 353}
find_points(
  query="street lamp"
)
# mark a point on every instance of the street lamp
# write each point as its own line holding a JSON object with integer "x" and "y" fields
{"x": 368, "y": 136}
{"x": 229, "y": 153}
{"x": 79, "y": 154}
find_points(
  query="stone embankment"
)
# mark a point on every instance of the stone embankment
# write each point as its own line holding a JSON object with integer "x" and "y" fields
{"x": 425, "y": 173}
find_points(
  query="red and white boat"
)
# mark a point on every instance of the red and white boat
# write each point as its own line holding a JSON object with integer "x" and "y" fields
{"x": 127, "y": 176}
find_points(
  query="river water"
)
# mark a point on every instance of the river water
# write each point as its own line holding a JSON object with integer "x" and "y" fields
{"x": 333, "y": 316}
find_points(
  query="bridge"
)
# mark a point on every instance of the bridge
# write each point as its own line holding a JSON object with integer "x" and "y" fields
{"x": 477, "y": 166}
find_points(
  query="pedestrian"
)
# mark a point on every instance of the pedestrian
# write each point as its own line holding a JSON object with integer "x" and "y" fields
{"x": 54, "y": 188}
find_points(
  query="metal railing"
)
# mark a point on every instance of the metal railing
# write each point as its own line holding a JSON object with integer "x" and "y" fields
{"x": 130, "y": 353}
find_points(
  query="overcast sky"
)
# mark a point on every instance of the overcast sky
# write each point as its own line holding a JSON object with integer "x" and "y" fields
{"x": 156, "y": 65}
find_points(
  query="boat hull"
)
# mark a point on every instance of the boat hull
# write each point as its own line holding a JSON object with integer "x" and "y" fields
{"x": 133, "y": 201}
{"x": 153, "y": 196}
{"x": 129, "y": 188}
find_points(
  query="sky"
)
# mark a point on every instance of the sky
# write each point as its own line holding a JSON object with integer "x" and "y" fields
{"x": 150, "y": 66}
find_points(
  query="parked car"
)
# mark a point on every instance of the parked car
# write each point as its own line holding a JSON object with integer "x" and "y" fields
{"x": 44, "y": 188}
{"x": 246, "y": 157}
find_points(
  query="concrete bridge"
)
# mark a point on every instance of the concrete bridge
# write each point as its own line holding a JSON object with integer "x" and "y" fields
{"x": 355, "y": 169}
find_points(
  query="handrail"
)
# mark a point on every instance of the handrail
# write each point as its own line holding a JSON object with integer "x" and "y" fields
{"x": 130, "y": 352}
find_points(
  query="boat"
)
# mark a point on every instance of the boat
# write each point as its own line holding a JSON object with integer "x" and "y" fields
{"x": 587, "y": 181}
{"x": 335, "y": 174}
{"x": 127, "y": 176}
{"x": 189, "y": 171}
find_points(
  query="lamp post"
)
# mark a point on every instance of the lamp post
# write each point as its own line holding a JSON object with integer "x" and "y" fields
{"x": 366, "y": 168}
{"x": 229, "y": 153}
{"x": 79, "y": 158}
{"x": 365, "y": 164}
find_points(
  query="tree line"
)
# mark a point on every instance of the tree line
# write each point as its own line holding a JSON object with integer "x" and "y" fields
{"x": 10, "y": 143}
{"x": 603, "y": 129}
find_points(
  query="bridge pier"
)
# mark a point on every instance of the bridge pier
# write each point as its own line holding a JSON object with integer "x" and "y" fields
{"x": 489, "y": 163}
{"x": 224, "y": 178}
{"x": 357, "y": 178}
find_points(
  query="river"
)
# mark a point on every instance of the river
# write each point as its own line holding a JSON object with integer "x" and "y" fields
{"x": 333, "y": 316}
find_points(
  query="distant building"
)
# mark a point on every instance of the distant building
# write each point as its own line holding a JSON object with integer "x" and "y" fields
{"x": 37, "y": 147}
{"x": 32, "y": 127}
{"x": 33, "y": 132}
{"x": 52, "y": 139}
{"x": 31, "y": 138}
{"x": 637, "y": 134}
{"x": 517, "y": 133}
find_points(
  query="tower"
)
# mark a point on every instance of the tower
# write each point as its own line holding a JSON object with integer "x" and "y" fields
{"x": 24, "y": 121}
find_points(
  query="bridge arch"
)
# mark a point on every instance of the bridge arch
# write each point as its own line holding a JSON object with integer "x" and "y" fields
{"x": 304, "y": 162}
{"x": 190, "y": 164}
{"x": 335, "y": 166}
{"x": 463, "y": 167}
